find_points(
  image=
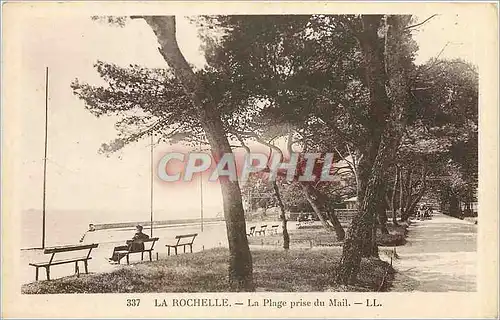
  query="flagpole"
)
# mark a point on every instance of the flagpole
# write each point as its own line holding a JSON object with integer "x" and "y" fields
{"x": 201, "y": 200}
{"x": 151, "y": 184}
{"x": 201, "y": 197}
{"x": 45, "y": 154}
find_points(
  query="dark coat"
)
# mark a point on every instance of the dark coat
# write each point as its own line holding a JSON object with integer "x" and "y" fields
{"x": 136, "y": 244}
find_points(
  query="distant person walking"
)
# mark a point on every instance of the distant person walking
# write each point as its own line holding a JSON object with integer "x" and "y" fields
{"x": 91, "y": 229}
{"x": 421, "y": 212}
{"x": 428, "y": 213}
{"x": 134, "y": 244}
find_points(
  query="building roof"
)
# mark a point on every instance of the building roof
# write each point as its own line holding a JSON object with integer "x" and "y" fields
{"x": 353, "y": 199}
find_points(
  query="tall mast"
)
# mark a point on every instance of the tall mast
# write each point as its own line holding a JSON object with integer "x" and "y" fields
{"x": 151, "y": 183}
{"x": 201, "y": 197}
{"x": 201, "y": 200}
{"x": 45, "y": 154}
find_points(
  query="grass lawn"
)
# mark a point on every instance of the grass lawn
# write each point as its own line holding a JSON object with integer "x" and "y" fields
{"x": 314, "y": 236}
{"x": 317, "y": 236}
{"x": 274, "y": 270}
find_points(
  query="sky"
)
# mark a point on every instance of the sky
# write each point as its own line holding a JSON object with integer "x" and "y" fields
{"x": 78, "y": 178}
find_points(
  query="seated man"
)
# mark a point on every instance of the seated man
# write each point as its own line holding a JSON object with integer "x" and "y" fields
{"x": 135, "y": 244}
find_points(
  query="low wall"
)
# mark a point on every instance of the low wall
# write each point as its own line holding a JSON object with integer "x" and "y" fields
{"x": 344, "y": 215}
{"x": 102, "y": 226}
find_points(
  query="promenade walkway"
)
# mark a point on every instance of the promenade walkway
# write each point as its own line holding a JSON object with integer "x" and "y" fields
{"x": 440, "y": 256}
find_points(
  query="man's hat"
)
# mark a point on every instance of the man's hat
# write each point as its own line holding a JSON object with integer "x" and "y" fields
{"x": 139, "y": 226}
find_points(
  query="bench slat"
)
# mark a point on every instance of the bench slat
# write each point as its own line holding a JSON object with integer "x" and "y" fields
{"x": 134, "y": 251}
{"x": 70, "y": 248}
{"x": 150, "y": 239}
{"x": 56, "y": 262}
{"x": 186, "y": 236}
{"x": 181, "y": 240}
{"x": 179, "y": 244}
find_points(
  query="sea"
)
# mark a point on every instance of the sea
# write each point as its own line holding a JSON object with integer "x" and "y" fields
{"x": 70, "y": 228}
{"x": 64, "y": 227}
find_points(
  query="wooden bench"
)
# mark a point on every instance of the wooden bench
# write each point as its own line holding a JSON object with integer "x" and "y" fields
{"x": 182, "y": 241}
{"x": 65, "y": 249}
{"x": 262, "y": 230}
{"x": 136, "y": 247}
{"x": 252, "y": 231}
{"x": 274, "y": 229}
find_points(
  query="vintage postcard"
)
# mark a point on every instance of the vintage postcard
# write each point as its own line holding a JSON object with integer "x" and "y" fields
{"x": 249, "y": 160}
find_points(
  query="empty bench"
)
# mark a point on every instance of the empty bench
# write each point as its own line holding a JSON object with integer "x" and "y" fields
{"x": 274, "y": 229}
{"x": 252, "y": 231}
{"x": 183, "y": 241}
{"x": 85, "y": 257}
{"x": 262, "y": 230}
{"x": 138, "y": 246}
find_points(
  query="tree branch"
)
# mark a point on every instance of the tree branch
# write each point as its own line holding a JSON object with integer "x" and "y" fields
{"x": 421, "y": 23}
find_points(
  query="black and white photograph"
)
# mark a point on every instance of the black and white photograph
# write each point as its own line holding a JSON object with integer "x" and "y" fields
{"x": 308, "y": 161}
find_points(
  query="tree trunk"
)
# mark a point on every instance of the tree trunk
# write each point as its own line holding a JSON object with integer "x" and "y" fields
{"x": 382, "y": 221}
{"x": 395, "y": 61}
{"x": 369, "y": 236}
{"x": 454, "y": 207}
{"x": 413, "y": 202}
{"x": 381, "y": 214}
{"x": 406, "y": 201}
{"x": 339, "y": 230}
{"x": 360, "y": 238}
{"x": 286, "y": 236}
{"x": 402, "y": 213}
{"x": 393, "y": 198}
{"x": 240, "y": 260}
{"x": 312, "y": 197}
{"x": 316, "y": 206}
{"x": 388, "y": 202}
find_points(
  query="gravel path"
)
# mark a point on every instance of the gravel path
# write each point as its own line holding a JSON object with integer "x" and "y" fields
{"x": 440, "y": 256}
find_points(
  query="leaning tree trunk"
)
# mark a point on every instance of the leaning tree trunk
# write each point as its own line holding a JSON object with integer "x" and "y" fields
{"x": 240, "y": 260}
{"x": 286, "y": 236}
{"x": 316, "y": 206}
{"x": 330, "y": 214}
{"x": 312, "y": 196}
{"x": 339, "y": 230}
{"x": 390, "y": 63}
